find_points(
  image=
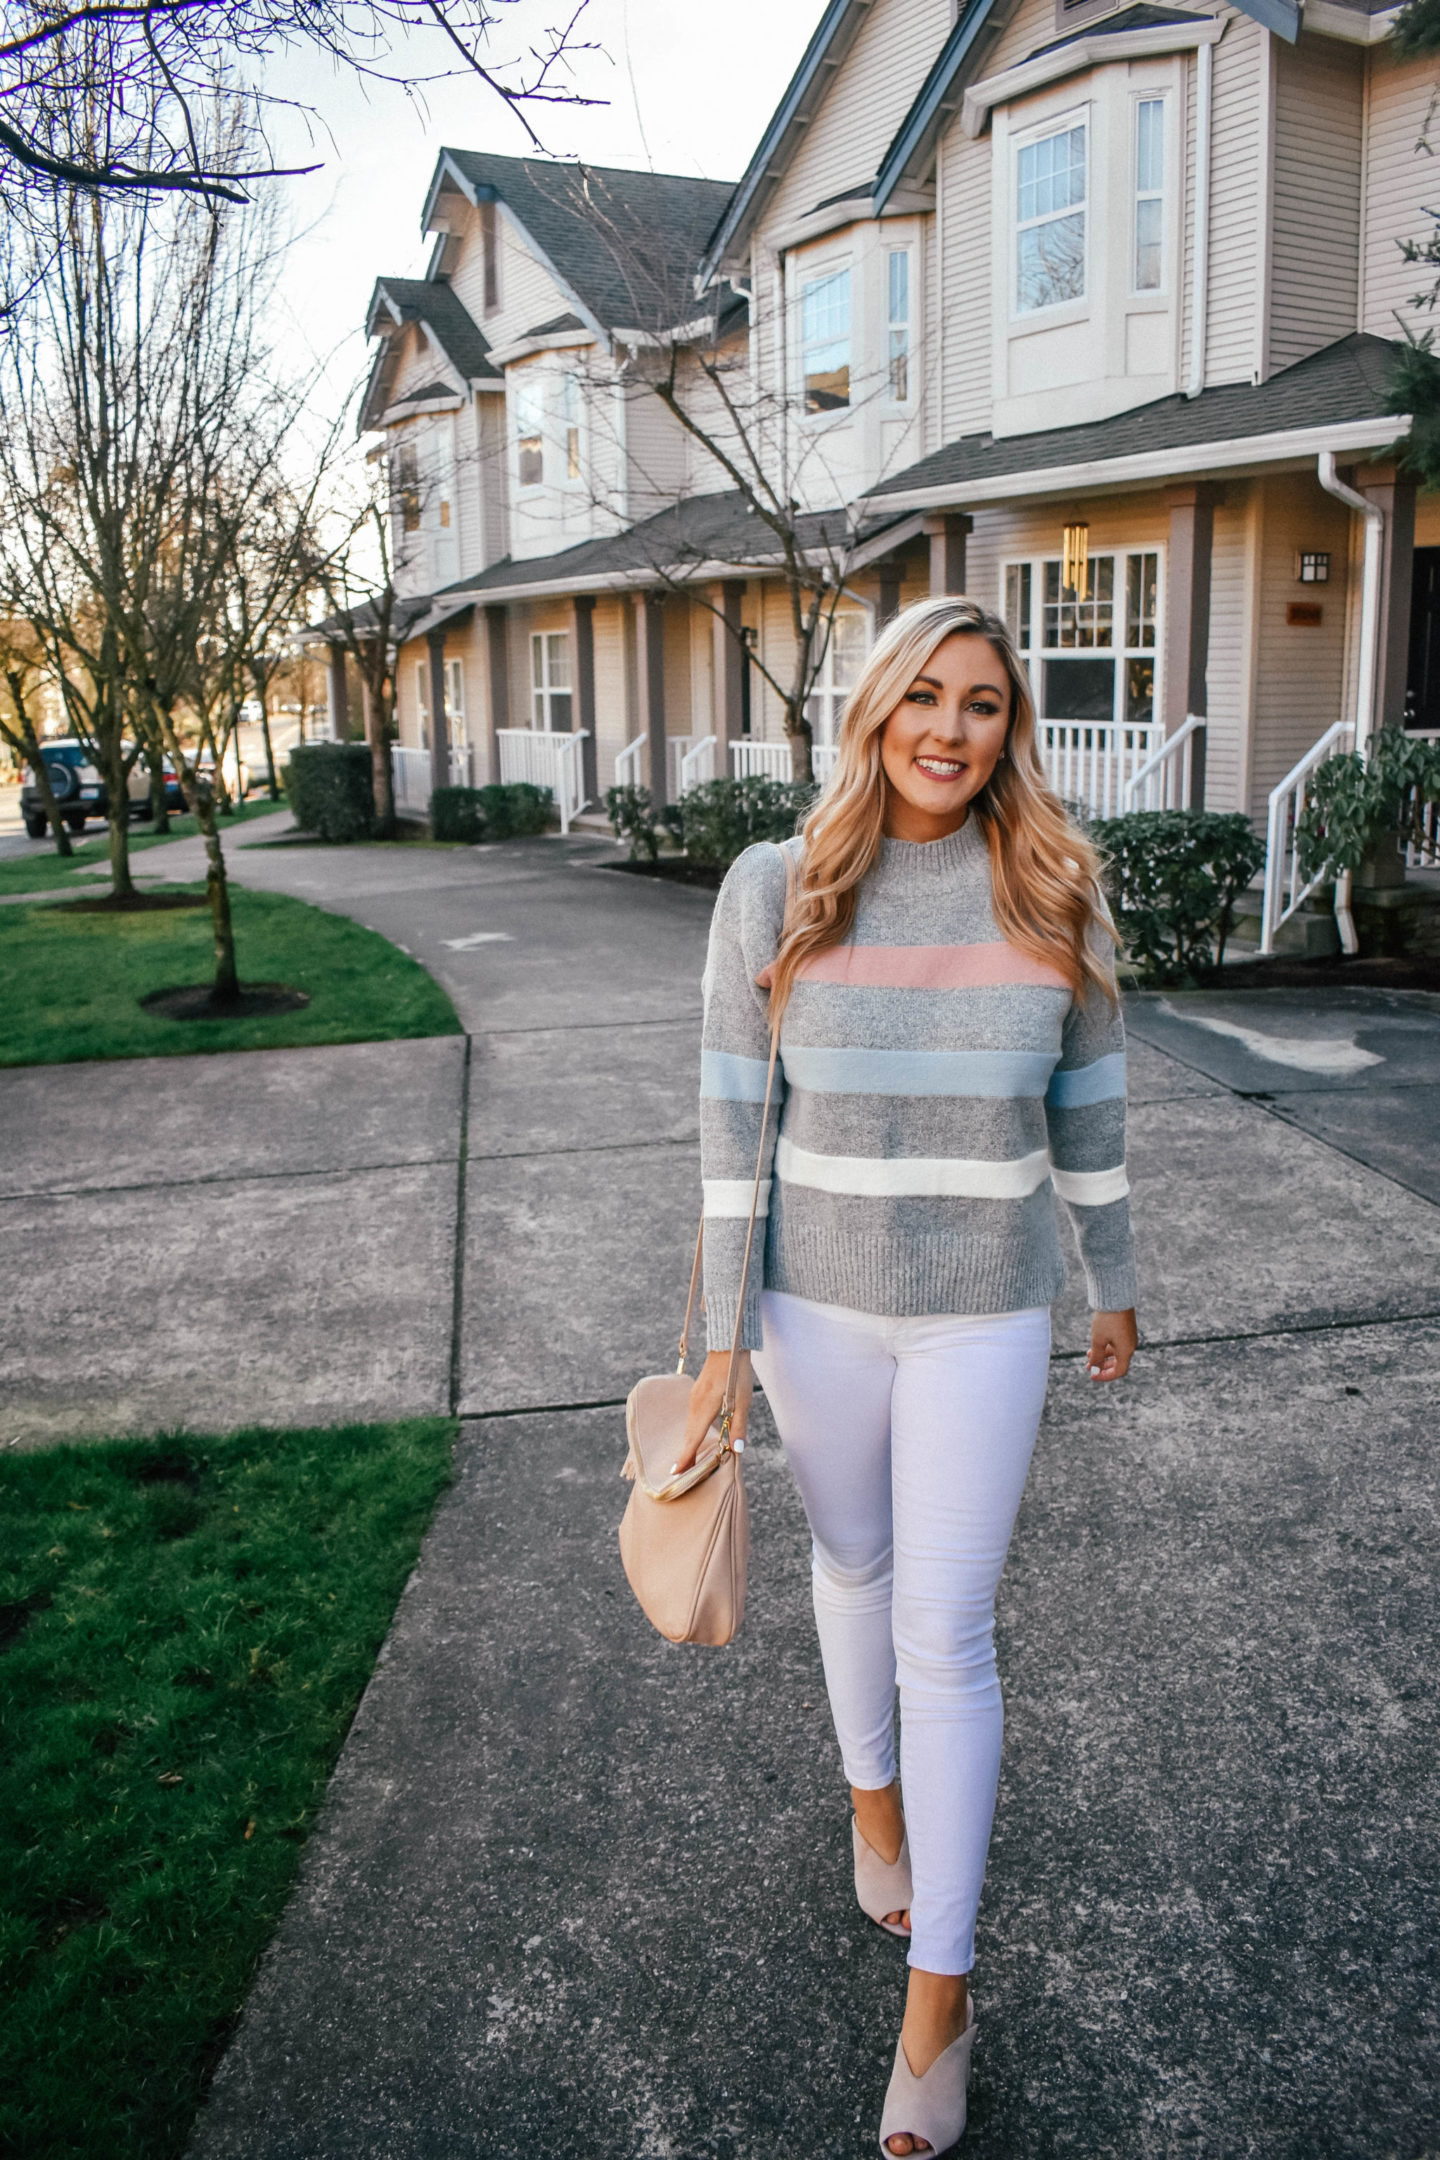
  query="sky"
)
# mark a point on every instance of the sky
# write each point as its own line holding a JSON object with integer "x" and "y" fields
{"x": 686, "y": 87}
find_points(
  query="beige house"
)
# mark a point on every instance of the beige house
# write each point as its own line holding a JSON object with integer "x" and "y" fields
{"x": 1089, "y": 311}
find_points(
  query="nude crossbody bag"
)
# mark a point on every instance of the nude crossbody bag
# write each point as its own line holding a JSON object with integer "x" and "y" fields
{"x": 685, "y": 1541}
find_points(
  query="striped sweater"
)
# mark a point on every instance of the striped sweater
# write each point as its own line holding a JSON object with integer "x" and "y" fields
{"x": 937, "y": 1089}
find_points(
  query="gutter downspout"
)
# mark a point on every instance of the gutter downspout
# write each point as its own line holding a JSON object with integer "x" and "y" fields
{"x": 1204, "y": 101}
{"x": 1368, "y": 668}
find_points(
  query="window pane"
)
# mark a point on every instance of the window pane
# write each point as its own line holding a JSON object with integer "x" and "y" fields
{"x": 1017, "y": 602}
{"x": 847, "y": 646}
{"x": 1148, "y": 235}
{"x": 558, "y": 646}
{"x": 537, "y": 660}
{"x": 900, "y": 285}
{"x": 560, "y": 712}
{"x": 1051, "y": 175}
{"x": 532, "y": 461}
{"x": 825, "y": 338}
{"x": 1071, "y": 621}
{"x": 1140, "y": 692}
{"x": 899, "y": 365}
{"x": 1079, "y": 689}
{"x": 1052, "y": 262}
{"x": 1140, "y": 579}
{"x": 1150, "y": 145}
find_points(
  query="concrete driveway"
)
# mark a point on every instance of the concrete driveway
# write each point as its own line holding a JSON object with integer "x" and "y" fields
{"x": 576, "y": 1891}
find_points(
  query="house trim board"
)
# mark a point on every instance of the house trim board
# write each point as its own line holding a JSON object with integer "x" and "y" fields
{"x": 1082, "y": 53}
{"x": 1345, "y": 23}
{"x": 1295, "y": 445}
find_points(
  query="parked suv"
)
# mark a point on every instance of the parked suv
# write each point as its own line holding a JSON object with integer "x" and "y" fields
{"x": 80, "y": 793}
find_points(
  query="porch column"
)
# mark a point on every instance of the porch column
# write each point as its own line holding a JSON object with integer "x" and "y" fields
{"x": 439, "y": 718}
{"x": 1395, "y": 495}
{"x": 337, "y": 695}
{"x": 730, "y": 670}
{"x": 650, "y": 652}
{"x": 947, "y": 536}
{"x": 584, "y": 707}
{"x": 1187, "y": 617}
{"x": 889, "y": 570}
{"x": 497, "y": 654}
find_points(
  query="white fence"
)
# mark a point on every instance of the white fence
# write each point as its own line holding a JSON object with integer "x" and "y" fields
{"x": 773, "y": 759}
{"x": 411, "y": 769}
{"x": 1425, "y": 854}
{"x": 1285, "y": 891}
{"x": 548, "y": 761}
{"x": 1093, "y": 762}
{"x": 1172, "y": 777}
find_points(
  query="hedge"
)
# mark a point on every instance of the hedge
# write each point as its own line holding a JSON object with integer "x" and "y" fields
{"x": 1173, "y": 877}
{"x": 331, "y": 790}
{"x": 508, "y": 811}
{"x": 713, "y": 823}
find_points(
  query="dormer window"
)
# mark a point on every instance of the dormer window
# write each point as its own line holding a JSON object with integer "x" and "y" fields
{"x": 825, "y": 341}
{"x": 1050, "y": 211}
{"x": 1149, "y": 194}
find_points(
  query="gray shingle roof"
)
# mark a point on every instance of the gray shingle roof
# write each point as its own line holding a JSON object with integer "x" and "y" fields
{"x": 434, "y": 302}
{"x": 1344, "y": 382}
{"x": 626, "y": 243}
{"x": 702, "y": 529}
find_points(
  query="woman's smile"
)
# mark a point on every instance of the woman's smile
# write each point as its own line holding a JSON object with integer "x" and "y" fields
{"x": 940, "y": 768}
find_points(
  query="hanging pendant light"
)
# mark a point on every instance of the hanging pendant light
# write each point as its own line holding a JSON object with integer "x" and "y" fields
{"x": 1075, "y": 561}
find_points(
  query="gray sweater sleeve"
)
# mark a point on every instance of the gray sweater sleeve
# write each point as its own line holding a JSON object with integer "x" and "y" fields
{"x": 1085, "y": 1114}
{"x": 735, "y": 1051}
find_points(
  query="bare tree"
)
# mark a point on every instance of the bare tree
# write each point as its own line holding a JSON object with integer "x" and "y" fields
{"x": 17, "y": 652}
{"x": 114, "y": 96}
{"x": 368, "y": 619}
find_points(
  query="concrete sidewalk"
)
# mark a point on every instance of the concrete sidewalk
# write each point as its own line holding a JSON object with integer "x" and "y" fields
{"x": 577, "y": 1892}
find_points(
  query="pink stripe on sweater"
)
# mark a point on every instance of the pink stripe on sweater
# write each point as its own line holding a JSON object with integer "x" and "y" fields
{"x": 929, "y": 967}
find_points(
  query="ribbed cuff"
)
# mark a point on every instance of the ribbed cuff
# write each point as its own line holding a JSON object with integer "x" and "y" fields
{"x": 720, "y": 1323}
{"x": 1112, "y": 1291}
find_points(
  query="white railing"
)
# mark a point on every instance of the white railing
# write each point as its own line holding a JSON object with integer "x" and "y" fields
{"x": 629, "y": 772}
{"x": 1282, "y": 861}
{"x": 1166, "y": 781}
{"x": 748, "y": 757}
{"x": 678, "y": 747}
{"x": 548, "y": 761}
{"x": 1425, "y": 855}
{"x": 822, "y": 760}
{"x": 411, "y": 769}
{"x": 1092, "y": 762}
{"x": 698, "y": 765}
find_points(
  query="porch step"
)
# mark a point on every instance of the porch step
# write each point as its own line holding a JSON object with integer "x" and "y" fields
{"x": 591, "y": 821}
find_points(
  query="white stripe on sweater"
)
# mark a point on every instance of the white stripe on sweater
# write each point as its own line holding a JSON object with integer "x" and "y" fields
{"x": 730, "y": 1196}
{"x": 1091, "y": 1188}
{"x": 950, "y": 1177}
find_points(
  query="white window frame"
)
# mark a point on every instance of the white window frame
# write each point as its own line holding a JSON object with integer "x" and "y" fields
{"x": 545, "y": 684}
{"x": 529, "y": 404}
{"x": 808, "y": 276}
{"x": 455, "y": 703}
{"x": 570, "y": 433}
{"x": 902, "y": 326}
{"x": 1067, "y": 123}
{"x": 422, "y": 699}
{"x": 826, "y": 695}
{"x": 1035, "y": 652}
{"x": 1160, "y": 194}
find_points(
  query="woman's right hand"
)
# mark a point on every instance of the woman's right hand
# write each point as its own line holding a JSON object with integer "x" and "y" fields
{"x": 706, "y": 1398}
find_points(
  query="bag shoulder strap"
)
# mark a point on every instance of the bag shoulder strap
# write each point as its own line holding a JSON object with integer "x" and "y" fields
{"x": 727, "y": 1407}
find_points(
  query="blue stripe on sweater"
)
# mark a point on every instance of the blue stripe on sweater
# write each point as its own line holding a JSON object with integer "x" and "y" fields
{"x": 1104, "y": 1081}
{"x": 724, "y": 1077}
{"x": 1007, "y": 1074}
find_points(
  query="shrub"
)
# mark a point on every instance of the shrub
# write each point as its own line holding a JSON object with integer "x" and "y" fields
{"x": 1173, "y": 877}
{"x": 331, "y": 790}
{"x": 514, "y": 809}
{"x": 717, "y": 821}
{"x": 1356, "y": 803}
{"x": 456, "y": 813}
{"x": 631, "y": 812}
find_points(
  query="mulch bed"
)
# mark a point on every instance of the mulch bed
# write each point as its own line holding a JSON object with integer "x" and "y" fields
{"x": 139, "y": 903}
{"x": 1330, "y": 973}
{"x": 197, "y": 1001}
{"x": 674, "y": 870}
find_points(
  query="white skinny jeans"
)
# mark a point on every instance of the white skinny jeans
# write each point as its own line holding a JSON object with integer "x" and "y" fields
{"x": 910, "y": 1441}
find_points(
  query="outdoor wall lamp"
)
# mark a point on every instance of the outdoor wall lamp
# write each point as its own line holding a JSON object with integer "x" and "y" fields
{"x": 1311, "y": 568}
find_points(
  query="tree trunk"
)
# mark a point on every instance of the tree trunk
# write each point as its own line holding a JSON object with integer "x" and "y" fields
{"x": 797, "y": 730}
{"x": 122, "y": 885}
{"x": 217, "y": 892}
{"x": 383, "y": 772}
{"x": 269, "y": 746}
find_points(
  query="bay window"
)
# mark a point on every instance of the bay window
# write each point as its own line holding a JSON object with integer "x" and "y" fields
{"x": 898, "y": 351}
{"x": 1050, "y": 212}
{"x": 1149, "y": 194}
{"x": 530, "y": 431}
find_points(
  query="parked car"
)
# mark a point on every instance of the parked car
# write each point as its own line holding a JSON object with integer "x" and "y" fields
{"x": 79, "y": 790}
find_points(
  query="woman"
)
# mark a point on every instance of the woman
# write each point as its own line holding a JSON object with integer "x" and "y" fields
{"x": 952, "y": 1054}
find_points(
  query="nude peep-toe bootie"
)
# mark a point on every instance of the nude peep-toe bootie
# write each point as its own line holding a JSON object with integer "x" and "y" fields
{"x": 930, "y": 2107}
{"x": 882, "y": 1886}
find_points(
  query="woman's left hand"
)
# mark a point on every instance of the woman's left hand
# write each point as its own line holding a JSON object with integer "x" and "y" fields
{"x": 1113, "y": 1337}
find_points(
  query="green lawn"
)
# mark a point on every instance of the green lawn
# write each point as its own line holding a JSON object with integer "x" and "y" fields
{"x": 41, "y": 873}
{"x": 186, "y": 1627}
{"x": 70, "y": 985}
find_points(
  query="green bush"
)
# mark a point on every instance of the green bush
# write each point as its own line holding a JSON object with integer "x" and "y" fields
{"x": 1173, "y": 877}
{"x": 1356, "y": 803}
{"x": 717, "y": 821}
{"x": 456, "y": 813}
{"x": 331, "y": 790}
{"x": 631, "y": 811}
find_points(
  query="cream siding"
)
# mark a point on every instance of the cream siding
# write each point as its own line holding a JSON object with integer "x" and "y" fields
{"x": 1400, "y": 179}
{"x": 1315, "y": 250}
{"x": 1228, "y": 660}
{"x": 1299, "y": 672}
{"x": 528, "y": 294}
{"x": 1237, "y": 169}
{"x": 965, "y": 215}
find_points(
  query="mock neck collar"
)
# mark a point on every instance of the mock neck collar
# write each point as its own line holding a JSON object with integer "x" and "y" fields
{"x": 916, "y": 865}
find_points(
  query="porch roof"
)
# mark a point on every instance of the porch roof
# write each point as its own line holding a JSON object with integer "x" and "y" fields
{"x": 705, "y": 535}
{"x": 1335, "y": 400}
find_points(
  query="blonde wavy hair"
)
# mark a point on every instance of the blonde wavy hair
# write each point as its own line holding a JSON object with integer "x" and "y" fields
{"x": 1045, "y": 875}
